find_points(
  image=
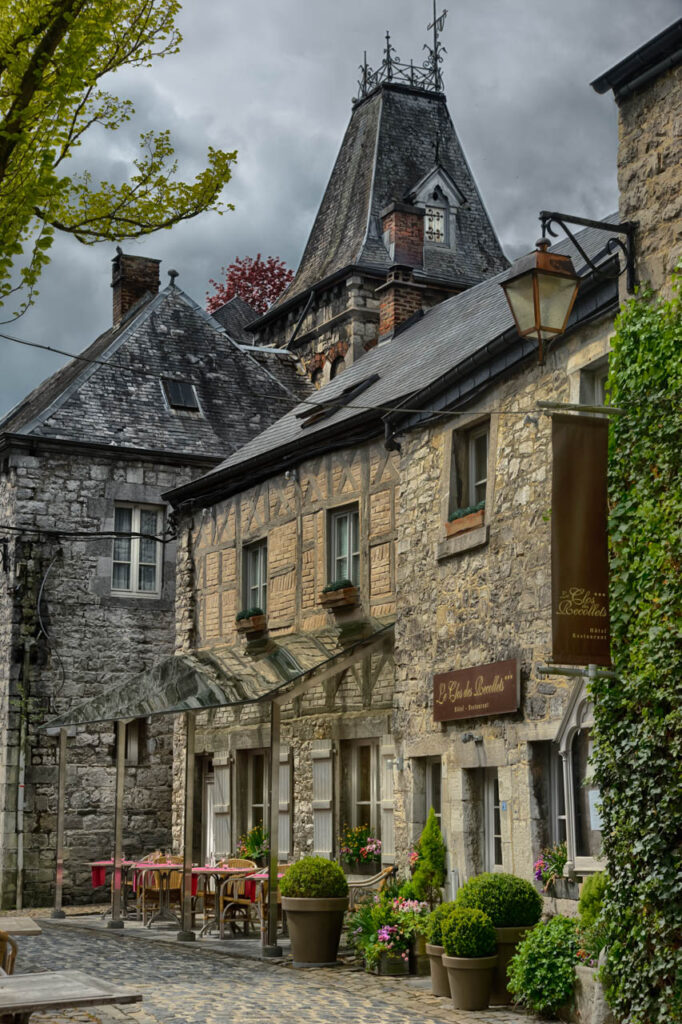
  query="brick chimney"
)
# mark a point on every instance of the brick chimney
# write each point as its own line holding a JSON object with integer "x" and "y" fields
{"x": 403, "y": 228}
{"x": 131, "y": 278}
{"x": 401, "y": 296}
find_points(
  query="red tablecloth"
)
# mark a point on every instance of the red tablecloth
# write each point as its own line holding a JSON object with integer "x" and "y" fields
{"x": 98, "y": 871}
{"x": 251, "y": 883}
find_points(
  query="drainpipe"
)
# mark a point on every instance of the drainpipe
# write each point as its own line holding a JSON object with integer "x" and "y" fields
{"x": 22, "y": 777}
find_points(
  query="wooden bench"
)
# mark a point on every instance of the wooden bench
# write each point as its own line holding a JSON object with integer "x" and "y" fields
{"x": 357, "y": 891}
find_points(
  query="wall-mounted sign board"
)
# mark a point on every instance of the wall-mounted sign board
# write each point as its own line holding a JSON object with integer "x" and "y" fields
{"x": 476, "y": 692}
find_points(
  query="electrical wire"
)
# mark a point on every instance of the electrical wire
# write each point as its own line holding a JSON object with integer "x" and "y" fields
{"x": 84, "y": 534}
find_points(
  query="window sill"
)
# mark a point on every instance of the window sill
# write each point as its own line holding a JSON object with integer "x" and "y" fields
{"x": 462, "y": 542}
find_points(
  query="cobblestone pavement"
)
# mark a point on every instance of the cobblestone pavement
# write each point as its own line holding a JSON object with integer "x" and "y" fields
{"x": 194, "y": 986}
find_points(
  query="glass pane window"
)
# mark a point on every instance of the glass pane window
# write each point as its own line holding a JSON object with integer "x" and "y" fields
{"x": 433, "y": 787}
{"x": 492, "y": 820}
{"x": 256, "y": 789}
{"x": 345, "y": 546}
{"x": 365, "y": 786}
{"x": 136, "y": 558}
{"x": 256, "y": 576}
{"x": 478, "y": 464}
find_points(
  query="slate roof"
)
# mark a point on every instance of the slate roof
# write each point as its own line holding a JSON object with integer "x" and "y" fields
{"x": 449, "y": 338}
{"x": 234, "y": 315}
{"x": 389, "y": 146}
{"x": 119, "y": 399}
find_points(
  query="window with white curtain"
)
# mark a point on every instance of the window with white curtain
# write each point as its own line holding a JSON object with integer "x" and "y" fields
{"x": 492, "y": 822}
{"x": 136, "y": 554}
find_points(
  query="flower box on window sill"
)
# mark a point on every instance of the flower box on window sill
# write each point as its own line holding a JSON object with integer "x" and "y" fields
{"x": 252, "y": 624}
{"x": 463, "y": 524}
{"x": 344, "y": 597}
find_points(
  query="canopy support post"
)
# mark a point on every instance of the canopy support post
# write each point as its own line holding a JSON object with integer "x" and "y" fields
{"x": 61, "y": 798}
{"x": 116, "y": 920}
{"x": 272, "y": 949}
{"x": 186, "y": 934}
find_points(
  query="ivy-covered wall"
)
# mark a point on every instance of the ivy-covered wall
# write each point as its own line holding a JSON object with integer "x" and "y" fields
{"x": 638, "y": 715}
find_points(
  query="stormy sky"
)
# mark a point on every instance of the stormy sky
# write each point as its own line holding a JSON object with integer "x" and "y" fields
{"x": 274, "y": 79}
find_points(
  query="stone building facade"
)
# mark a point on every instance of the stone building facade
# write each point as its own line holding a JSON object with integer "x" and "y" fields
{"x": 87, "y": 573}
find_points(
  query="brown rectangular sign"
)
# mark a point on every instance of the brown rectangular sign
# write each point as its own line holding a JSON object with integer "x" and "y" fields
{"x": 473, "y": 692}
{"x": 580, "y": 565}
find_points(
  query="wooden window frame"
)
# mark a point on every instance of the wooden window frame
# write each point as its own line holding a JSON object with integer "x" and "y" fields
{"x": 134, "y": 561}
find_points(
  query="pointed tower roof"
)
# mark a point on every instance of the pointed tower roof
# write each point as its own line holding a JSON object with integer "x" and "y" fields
{"x": 399, "y": 136}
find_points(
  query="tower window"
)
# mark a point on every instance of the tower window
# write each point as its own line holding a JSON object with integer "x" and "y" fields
{"x": 434, "y": 224}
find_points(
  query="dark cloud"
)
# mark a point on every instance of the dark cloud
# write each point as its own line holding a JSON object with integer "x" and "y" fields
{"x": 275, "y": 79}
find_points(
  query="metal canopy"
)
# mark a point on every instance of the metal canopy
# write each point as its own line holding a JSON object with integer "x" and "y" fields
{"x": 260, "y": 670}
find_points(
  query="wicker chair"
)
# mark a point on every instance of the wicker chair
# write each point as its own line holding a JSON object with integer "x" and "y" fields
{"x": 360, "y": 891}
{"x": 234, "y": 905}
{"x": 8, "y": 953}
{"x": 148, "y": 887}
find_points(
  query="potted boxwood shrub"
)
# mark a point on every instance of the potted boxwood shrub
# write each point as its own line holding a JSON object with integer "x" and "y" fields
{"x": 513, "y": 905}
{"x": 440, "y": 986}
{"x": 469, "y": 957}
{"x": 315, "y": 898}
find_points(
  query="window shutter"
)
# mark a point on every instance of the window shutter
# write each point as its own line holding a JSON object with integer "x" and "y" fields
{"x": 222, "y": 804}
{"x": 387, "y": 756}
{"x": 285, "y": 802}
{"x": 323, "y": 798}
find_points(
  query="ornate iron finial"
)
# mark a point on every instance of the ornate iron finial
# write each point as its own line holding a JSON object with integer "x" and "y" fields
{"x": 426, "y": 76}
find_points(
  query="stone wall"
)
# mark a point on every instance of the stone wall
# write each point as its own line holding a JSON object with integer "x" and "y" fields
{"x": 83, "y": 640}
{"x": 478, "y": 598}
{"x": 650, "y": 174}
{"x": 292, "y": 511}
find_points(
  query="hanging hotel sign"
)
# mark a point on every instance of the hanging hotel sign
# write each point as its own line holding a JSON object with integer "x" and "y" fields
{"x": 474, "y": 692}
{"x": 580, "y": 566}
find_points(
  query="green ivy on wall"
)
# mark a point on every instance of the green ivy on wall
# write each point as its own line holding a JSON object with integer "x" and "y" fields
{"x": 638, "y": 733}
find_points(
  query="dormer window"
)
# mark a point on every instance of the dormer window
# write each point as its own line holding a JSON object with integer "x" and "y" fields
{"x": 434, "y": 224}
{"x": 180, "y": 395}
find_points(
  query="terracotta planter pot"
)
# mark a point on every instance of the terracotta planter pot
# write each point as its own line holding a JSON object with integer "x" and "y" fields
{"x": 315, "y": 929}
{"x": 464, "y": 523}
{"x": 440, "y": 986}
{"x": 254, "y": 624}
{"x": 470, "y": 980}
{"x": 507, "y": 941}
{"x": 346, "y": 598}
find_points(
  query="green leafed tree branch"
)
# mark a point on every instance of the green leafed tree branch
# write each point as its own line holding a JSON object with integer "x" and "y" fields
{"x": 53, "y": 55}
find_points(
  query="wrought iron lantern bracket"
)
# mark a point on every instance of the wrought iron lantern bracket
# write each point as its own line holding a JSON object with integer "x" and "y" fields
{"x": 625, "y": 244}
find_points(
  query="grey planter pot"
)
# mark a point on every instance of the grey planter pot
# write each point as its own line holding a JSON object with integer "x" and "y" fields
{"x": 470, "y": 980}
{"x": 315, "y": 929}
{"x": 440, "y": 986}
{"x": 507, "y": 941}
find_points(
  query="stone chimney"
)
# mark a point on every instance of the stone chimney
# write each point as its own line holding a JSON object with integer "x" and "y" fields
{"x": 401, "y": 296}
{"x": 131, "y": 278}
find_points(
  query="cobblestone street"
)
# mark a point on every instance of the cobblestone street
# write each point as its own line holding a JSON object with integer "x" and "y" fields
{"x": 195, "y": 986}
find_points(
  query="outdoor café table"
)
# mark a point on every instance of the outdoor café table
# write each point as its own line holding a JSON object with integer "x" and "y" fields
{"x": 164, "y": 870}
{"x": 24, "y": 994}
{"x": 98, "y": 874}
{"x": 220, "y": 875}
{"x": 20, "y": 926}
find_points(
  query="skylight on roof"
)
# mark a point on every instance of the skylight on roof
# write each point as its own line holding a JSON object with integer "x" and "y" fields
{"x": 180, "y": 394}
{"x": 316, "y": 411}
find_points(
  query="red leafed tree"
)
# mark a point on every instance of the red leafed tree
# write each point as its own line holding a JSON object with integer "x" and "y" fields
{"x": 259, "y": 282}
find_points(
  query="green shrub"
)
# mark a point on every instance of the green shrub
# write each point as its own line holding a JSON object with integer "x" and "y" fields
{"x": 314, "y": 878}
{"x": 468, "y": 932}
{"x": 337, "y": 585}
{"x": 509, "y": 902}
{"x": 591, "y": 899}
{"x": 248, "y": 613}
{"x": 434, "y": 935}
{"x": 429, "y": 878}
{"x": 405, "y": 889}
{"x": 541, "y": 973}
